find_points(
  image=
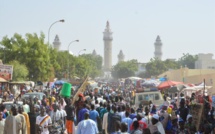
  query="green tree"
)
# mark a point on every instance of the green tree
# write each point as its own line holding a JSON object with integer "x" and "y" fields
{"x": 32, "y": 51}
{"x": 124, "y": 69}
{"x": 95, "y": 64}
{"x": 75, "y": 66}
{"x": 20, "y": 71}
{"x": 156, "y": 67}
{"x": 188, "y": 60}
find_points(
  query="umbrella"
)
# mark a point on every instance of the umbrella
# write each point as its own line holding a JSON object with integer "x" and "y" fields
{"x": 59, "y": 82}
{"x": 168, "y": 84}
{"x": 176, "y": 88}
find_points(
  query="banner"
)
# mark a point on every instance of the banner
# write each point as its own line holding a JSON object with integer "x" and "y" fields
{"x": 6, "y": 72}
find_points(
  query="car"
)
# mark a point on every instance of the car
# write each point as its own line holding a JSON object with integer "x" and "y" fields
{"x": 39, "y": 95}
{"x": 8, "y": 104}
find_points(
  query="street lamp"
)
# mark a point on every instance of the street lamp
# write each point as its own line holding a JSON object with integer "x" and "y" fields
{"x": 52, "y": 25}
{"x": 81, "y": 51}
{"x": 68, "y": 55}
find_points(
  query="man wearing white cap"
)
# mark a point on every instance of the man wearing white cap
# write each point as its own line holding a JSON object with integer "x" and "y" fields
{"x": 156, "y": 125}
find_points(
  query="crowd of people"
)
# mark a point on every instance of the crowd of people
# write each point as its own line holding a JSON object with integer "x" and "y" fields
{"x": 101, "y": 113}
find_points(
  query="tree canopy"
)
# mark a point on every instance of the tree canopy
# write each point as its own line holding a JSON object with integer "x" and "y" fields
{"x": 124, "y": 69}
{"x": 32, "y": 51}
{"x": 20, "y": 71}
{"x": 188, "y": 60}
{"x": 156, "y": 67}
{"x": 95, "y": 64}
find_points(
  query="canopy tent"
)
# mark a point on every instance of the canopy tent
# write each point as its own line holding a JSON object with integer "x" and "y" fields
{"x": 168, "y": 84}
{"x": 3, "y": 80}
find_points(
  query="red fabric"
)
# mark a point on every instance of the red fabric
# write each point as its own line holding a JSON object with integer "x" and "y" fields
{"x": 142, "y": 125}
{"x": 168, "y": 84}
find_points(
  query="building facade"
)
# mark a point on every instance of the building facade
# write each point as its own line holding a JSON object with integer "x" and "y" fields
{"x": 205, "y": 61}
{"x": 107, "y": 37}
{"x": 158, "y": 48}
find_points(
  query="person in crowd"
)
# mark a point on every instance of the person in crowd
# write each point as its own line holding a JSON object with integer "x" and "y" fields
{"x": 112, "y": 118}
{"x": 189, "y": 125}
{"x": 117, "y": 128}
{"x": 174, "y": 129}
{"x": 133, "y": 114}
{"x": 82, "y": 112}
{"x": 24, "y": 125}
{"x": 70, "y": 112}
{"x": 182, "y": 129}
{"x": 79, "y": 105}
{"x": 55, "y": 114}
{"x": 32, "y": 119}
{"x": 105, "y": 120}
{"x": 62, "y": 115}
{"x": 183, "y": 111}
{"x": 153, "y": 111}
{"x": 103, "y": 111}
{"x": 44, "y": 101}
{"x": 148, "y": 117}
{"x": 136, "y": 129}
{"x": 156, "y": 125}
{"x": 96, "y": 103}
{"x": 142, "y": 125}
{"x": 14, "y": 122}
{"x": 43, "y": 122}
{"x": 124, "y": 128}
{"x": 122, "y": 113}
{"x": 94, "y": 115}
{"x": 87, "y": 126}
{"x": 2, "y": 123}
{"x": 62, "y": 103}
{"x": 164, "y": 117}
{"x": 21, "y": 111}
{"x": 26, "y": 107}
{"x": 127, "y": 120}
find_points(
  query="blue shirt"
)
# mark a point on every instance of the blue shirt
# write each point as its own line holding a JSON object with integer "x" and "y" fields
{"x": 87, "y": 127}
{"x": 128, "y": 121}
{"x": 132, "y": 116}
{"x": 81, "y": 114}
{"x": 93, "y": 115}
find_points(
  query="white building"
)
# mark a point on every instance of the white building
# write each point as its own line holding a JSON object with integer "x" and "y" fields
{"x": 205, "y": 61}
{"x": 158, "y": 48}
{"x": 107, "y": 37}
{"x": 121, "y": 56}
{"x": 57, "y": 43}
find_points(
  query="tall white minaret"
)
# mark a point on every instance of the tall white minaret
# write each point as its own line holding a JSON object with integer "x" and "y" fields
{"x": 121, "y": 56}
{"x": 158, "y": 46}
{"x": 107, "y": 37}
{"x": 57, "y": 43}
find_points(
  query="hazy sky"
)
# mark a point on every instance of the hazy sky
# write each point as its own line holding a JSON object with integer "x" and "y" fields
{"x": 185, "y": 26}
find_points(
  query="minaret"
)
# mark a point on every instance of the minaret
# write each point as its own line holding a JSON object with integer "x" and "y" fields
{"x": 121, "y": 56}
{"x": 107, "y": 37}
{"x": 94, "y": 52}
{"x": 158, "y": 46}
{"x": 57, "y": 43}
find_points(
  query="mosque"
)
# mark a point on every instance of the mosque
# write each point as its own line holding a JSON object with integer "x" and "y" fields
{"x": 107, "y": 57}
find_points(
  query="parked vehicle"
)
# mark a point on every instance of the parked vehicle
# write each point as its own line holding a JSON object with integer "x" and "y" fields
{"x": 149, "y": 94}
{"x": 8, "y": 104}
